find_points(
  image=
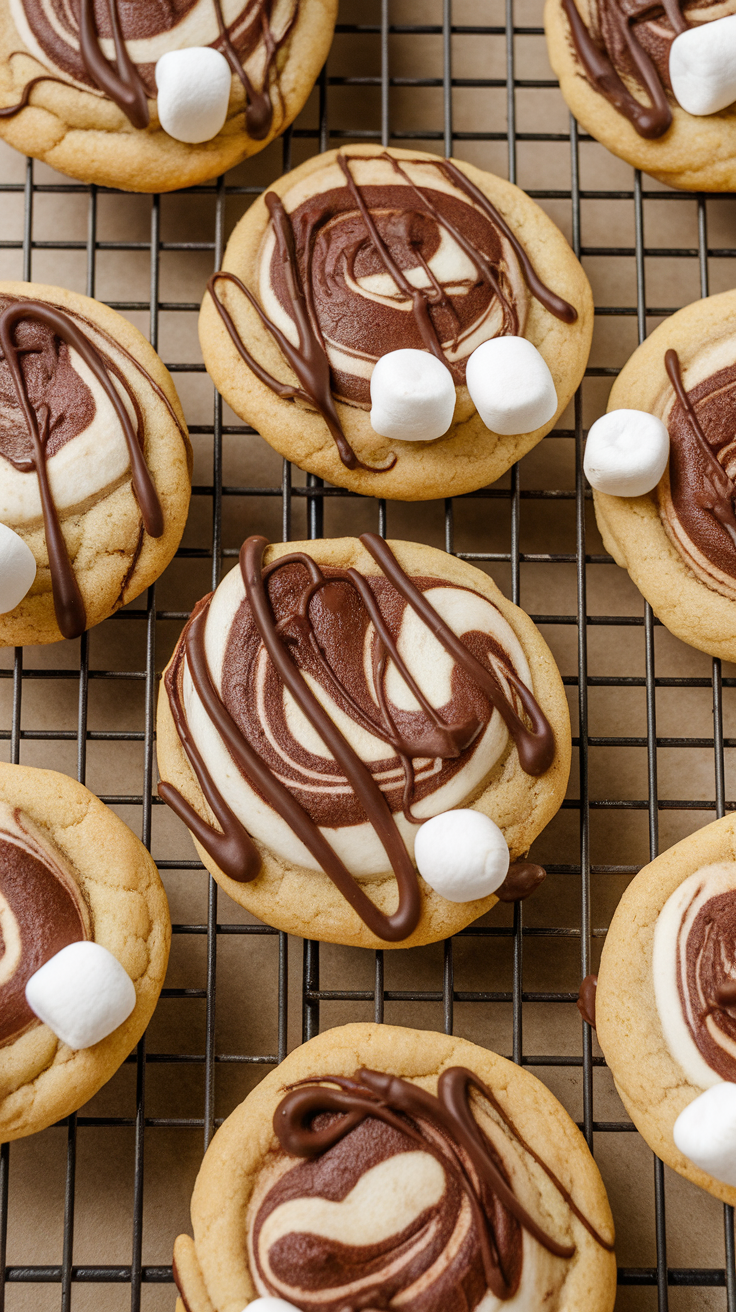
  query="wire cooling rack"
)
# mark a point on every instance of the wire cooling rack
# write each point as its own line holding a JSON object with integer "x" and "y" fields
{"x": 410, "y": 71}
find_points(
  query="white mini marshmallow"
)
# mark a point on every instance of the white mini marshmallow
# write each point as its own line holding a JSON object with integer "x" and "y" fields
{"x": 193, "y": 93}
{"x": 17, "y": 569}
{"x": 412, "y": 396}
{"x": 462, "y": 855}
{"x": 706, "y": 1132}
{"x": 82, "y": 994}
{"x": 626, "y": 453}
{"x": 511, "y": 386}
{"x": 703, "y": 66}
{"x": 269, "y": 1304}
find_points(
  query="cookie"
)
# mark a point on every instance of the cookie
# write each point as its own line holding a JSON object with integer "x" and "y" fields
{"x": 95, "y": 464}
{"x": 677, "y": 541}
{"x": 665, "y": 1020}
{"x": 440, "y": 1176}
{"x": 319, "y": 710}
{"x": 364, "y": 252}
{"x": 84, "y": 922}
{"x": 152, "y": 98}
{"x": 616, "y": 73}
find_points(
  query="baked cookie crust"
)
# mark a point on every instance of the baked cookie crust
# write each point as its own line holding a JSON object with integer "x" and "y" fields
{"x": 695, "y": 154}
{"x": 112, "y": 556}
{"x": 469, "y": 455}
{"x": 42, "y": 1079}
{"x": 631, "y": 527}
{"x": 306, "y": 902}
{"x": 85, "y": 135}
{"x": 212, "y": 1269}
{"x": 652, "y": 1084}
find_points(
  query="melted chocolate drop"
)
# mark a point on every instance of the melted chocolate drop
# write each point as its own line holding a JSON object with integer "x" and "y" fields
{"x": 521, "y": 881}
{"x": 68, "y": 602}
{"x": 586, "y": 999}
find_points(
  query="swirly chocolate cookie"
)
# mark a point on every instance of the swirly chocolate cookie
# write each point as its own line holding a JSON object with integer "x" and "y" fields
{"x": 95, "y": 464}
{"x": 653, "y": 83}
{"x": 334, "y": 700}
{"x": 400, "y": 324}
{"x": 151, "y": 97}
{"x": 382, "y": 1167}
{"x": 84, "y": 941}
{"x": 666, "y": 1006}
{"x": 668, "y": 436}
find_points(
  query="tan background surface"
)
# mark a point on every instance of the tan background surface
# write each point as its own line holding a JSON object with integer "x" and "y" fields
{"x": 246, "y": 1006}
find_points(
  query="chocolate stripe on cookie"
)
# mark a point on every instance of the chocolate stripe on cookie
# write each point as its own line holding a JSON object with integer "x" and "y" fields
{"x": 41, "y": 911}
{"x": 416, "y": 257}
{"x": 694, "y": 965}
{"x": 352, "y": 708}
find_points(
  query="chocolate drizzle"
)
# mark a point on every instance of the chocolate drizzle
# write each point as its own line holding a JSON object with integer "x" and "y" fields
{"x": 68, "y": 602}
{"x": 313, "y": 1118}
{"x": 650, "y": 121}
{"x": 430, "y": 305}
{"x": 120, "y": 81}
{"x": 9, "y": 110}
{"x": 232, "y": 847}
{"x": 259, "y": 106}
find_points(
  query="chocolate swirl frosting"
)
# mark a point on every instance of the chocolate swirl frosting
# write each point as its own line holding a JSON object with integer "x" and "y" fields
{"x": 696, "y": 494}
{"x": 413, "y": 256}
{"x": 41, "y": 911}
{"x": 352, "y": 707}
{"x": 113, "y": 45}
{"x": 694, "y": 967}
{"x": 400, "y": 1198}
{"x": 629, "y": 41}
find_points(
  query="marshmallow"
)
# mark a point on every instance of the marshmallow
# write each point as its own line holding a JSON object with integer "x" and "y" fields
{"x": 193, "y": 93}
{"x": 412, "y": 396}
{"x": 269, "y": 1304}
{"x": 17, "y": 569}
{"x": 462, "y": 855}
{"x": 703, "y": 66}
{"x": 511, "y": 386}
{"x": 706, "y": 1132}
{"x": 82, "y": 994}
{"x": 626, "y": 453}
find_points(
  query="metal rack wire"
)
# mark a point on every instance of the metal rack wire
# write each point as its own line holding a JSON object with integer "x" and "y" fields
{"x": 380, "y": 32}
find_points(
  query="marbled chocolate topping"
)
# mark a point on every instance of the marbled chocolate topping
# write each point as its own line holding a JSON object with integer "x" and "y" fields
{"x": 35, "y": 372}
{"x": 401, "y": 1199}
{"x": 706, "y": 976}
{"x": 113, "y": 45}
{"x": 629, "y": 41}
{"x": 331, "y": 638}
{"x": 41, "y": 911}
{"x": 696, "y": 494}
{"x": 424, "y": 261}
